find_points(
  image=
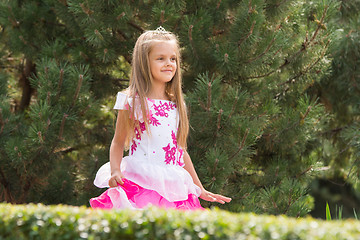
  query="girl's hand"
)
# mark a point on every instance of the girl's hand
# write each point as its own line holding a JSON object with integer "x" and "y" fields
{"x": 212, "y": 197}
{"x": 116, "y": 178}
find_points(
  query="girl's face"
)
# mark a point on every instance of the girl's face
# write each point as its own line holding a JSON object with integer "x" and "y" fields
{"x": 162, "y": 59}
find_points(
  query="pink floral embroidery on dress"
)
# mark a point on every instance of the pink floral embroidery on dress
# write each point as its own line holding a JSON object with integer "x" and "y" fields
{"x": 138, "y": 133}
{"x": 160, "y": 111}
{"x": 179, "y": 159}
{"x": 172, "y": 106}
{"x": 173, "y": 138}
{"x": 142, "y": 126}
{"x": 169, "y": 154}
{"x": 177, "y": 148}
{"x": 163, "y": 107}
{"x": 154, "y": 121}
{"x": 133, "y": 147}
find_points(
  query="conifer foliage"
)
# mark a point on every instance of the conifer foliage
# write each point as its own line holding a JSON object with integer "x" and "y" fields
{"x": 340, "y": 93}
{"x": 248, "y": 66}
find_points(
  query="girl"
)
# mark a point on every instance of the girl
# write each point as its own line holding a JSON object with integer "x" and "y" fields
{"x": 152, "y": 121}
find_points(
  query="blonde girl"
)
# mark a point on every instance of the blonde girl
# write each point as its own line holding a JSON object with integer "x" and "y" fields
{"x": 152, "y": 124}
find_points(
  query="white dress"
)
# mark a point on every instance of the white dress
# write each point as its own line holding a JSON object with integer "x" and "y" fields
{"x": 155, "y": 163}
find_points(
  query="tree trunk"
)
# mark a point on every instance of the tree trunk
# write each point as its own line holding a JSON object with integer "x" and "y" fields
{"x": 24, "y": 81}
{"x": 8, "y": 197}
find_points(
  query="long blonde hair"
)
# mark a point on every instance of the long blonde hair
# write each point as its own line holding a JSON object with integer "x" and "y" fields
{"x": 141, "y": 80}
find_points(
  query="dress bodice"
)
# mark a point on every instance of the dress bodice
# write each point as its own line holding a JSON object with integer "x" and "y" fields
{"x": 158, "y": 144}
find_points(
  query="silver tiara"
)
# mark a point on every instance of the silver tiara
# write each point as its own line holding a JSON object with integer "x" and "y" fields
{"x": 160, "y": 30}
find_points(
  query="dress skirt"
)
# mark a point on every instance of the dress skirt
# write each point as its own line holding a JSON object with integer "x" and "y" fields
{"x": 138, "y": 197}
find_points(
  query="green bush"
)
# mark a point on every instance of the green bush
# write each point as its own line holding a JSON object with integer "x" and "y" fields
{"x": 67, "y": 222}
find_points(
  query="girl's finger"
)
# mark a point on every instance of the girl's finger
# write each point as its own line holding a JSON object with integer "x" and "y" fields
{"x": 217, "y": 199}
{"x": 212, "y": 198}
{"x": 119, "y": 180}
{"x": 112, "y": 183}
{"x": 223, "y": 198}
{"x": 226, "y": 199}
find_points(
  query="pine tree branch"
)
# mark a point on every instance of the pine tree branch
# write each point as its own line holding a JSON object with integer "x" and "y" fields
{"x": 273, "y": 202}
{"x": 218, "y": 125}
{"x": 304, "y": 172}
{"x": 9, "y": 67}
{"x": 86, "y": 9}
{"x": 120, "y": 35}
{"x": 306, "y": 70}
{"x": 192, "y": 42}
{"x": 77, "y": 91}
{"x": 120, "y": 16}
{"x": 320, "y": 24}
{"x": 293, "y": 125}
{"x": 218, "y": 4}
{"x": 263, "y": 53}
{"x": 242, "y": 144}
{"x": 334, "y": 131}
{"x": 275, "y": 5}
{"x": 248, "y": 35}
{"x": 218, "y": 32}
{"x": 28, "y": 43}
{"x": 2, "y": 122}
{"x": 290, "y": 202}
{"x": 233, "y": 107}
{"x": 351, "y": 168}
{"x": 60, "y": 84}
{"x": 123, "y": 35}
{"x": 62, "y": 125}
{"x": 269, "y": 73}
{"x": 64, "y": 2}
{"x": 304, "y": 47}
{"x": 65, "y": 150}
{"x": 134, "y": 25}
{"x": 162, "y": 17}
{"x": 180, "y": 20}
{"x": 202, "y": 105}
{"x": 209, "y": 97}
{"x": 250, "y": 10}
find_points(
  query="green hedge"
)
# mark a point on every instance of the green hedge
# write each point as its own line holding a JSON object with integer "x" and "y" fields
{"x": 67, "y": 222}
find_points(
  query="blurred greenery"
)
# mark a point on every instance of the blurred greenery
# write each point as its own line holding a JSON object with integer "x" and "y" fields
{"x": 65, "y": 222}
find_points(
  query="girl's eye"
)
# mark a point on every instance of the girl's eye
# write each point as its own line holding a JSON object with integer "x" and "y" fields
{"x": 173, "y": 59}
{"x": 160, "y": 58}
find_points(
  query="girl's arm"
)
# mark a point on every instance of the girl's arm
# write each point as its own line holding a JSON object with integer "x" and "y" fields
{"x": 117, "y": 149}
{"x": 206, "y": 195}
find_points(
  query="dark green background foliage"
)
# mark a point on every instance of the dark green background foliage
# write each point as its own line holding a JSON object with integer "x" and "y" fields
{"x": 272, "y": 89}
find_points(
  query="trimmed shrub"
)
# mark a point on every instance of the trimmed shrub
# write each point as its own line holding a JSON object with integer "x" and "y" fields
{"x": 68, "y": 222}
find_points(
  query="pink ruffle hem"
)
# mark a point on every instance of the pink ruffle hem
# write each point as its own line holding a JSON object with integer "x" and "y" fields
{"x": 139, "y": 197}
